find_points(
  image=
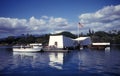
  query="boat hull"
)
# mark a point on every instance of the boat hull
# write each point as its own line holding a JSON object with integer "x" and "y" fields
{"x": 27, "y": 49}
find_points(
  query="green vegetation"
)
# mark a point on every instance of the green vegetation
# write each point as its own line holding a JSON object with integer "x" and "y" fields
{"x": 25, "y": 39}
{"x": 100, "y": 36}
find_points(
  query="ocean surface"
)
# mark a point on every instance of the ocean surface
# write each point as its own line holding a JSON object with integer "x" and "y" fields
{"x": 86, "y": 62}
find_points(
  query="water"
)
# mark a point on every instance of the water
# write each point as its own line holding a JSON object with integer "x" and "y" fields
{"x": 76, "y": 63}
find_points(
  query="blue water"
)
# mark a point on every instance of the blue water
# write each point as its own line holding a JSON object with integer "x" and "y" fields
{"x": 75, "y": 63}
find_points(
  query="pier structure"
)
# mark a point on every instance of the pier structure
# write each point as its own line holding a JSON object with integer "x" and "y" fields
{"x": 101, "y": 46}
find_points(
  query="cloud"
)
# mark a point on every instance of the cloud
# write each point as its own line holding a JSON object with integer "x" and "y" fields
{"x": 45, "y": 17}
{"x": 11, "y": 25}
{"x": 33, "y": 25}
{"x": 106, "y": 18}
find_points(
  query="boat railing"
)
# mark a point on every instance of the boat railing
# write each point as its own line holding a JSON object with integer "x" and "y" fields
{"x": 28, "y": 46}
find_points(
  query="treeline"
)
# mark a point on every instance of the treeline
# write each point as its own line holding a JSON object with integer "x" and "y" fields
{"x": 25, "y": 39}
{"x": 100, "y": 36}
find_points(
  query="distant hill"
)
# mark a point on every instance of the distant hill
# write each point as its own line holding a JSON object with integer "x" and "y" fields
{"x": 67, "y": 34}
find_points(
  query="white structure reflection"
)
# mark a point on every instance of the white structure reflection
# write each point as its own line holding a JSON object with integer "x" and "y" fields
{"x": 56, "y": 60}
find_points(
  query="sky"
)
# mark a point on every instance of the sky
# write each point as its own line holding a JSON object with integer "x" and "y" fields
{"x": 52, "y": 16}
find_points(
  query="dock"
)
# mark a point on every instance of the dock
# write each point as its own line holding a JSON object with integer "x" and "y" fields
{"x": 55, "y": 50}
{"x": 100, "y": 46}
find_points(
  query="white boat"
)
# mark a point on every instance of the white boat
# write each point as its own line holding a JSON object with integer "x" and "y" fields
{"x": 35, "y": 47}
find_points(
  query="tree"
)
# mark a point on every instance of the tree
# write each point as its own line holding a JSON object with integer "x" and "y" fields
{"x": 30, "y": 39}
{"x": 10, "y": 39}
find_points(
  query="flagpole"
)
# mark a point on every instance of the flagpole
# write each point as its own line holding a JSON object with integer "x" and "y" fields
{"x": 78, "y": 30}
{"x": 79, "y": 26}
{"x": 78, "y": 36}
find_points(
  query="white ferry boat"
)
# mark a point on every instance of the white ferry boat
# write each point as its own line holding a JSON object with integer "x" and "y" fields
{"x": 35, "y": 47}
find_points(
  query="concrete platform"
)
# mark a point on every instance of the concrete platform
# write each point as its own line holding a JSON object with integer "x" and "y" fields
{"x": 54, "y": 50}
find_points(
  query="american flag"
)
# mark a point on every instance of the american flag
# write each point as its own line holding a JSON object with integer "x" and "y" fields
{"x": 80, "y": 25}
